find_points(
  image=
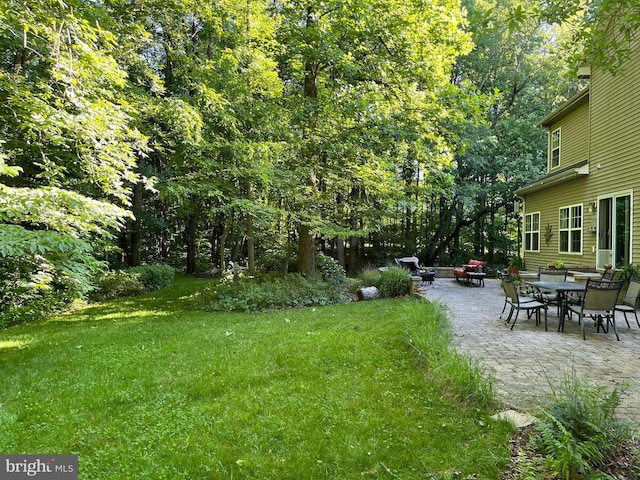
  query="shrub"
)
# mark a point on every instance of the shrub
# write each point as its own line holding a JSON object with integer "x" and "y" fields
{"x": 332, "y": 272}
{"x": 133, "y": 281}
{"x": 154, "y": 277}
{"x": 626, "y": 272}
{"x": 371, "y": 277}
{"x": 274, "y": 260}
{"x": 394, "y": 282}
{"x": 516, "y": 263}
{"x": 38, "y": 304}
{"x": 27, "y": 292}
{"x": 271, "y": 293}
{"x": 119, "y": 283}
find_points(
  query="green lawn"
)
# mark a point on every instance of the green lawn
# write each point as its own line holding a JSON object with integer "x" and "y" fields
{"x": 152, "y": 388}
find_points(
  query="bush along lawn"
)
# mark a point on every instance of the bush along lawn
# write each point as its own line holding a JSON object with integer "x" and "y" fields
{"x": 150, "y": 387}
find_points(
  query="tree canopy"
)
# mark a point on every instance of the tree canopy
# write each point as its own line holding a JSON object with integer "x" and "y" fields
{"x": 263, "y": 131}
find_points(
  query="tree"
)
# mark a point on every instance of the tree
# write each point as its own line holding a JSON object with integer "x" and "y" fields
{"x": 518, "y": 75}
{"x": 209, "y": 109}
{"x": 66, "y": 135}
{"x": 354, "y": 69}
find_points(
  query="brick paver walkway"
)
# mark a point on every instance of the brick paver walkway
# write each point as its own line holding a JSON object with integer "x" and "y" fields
{"x": 526, "y": 360}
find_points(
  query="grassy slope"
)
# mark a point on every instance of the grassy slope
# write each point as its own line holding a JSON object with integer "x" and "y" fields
{"x": 149, "y": 388}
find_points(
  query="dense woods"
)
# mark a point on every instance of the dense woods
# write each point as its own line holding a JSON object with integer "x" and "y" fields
{"x": 263, "y": 131}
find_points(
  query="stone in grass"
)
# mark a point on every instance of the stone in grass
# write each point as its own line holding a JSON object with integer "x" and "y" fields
{"x": 518, "y": 419}
{"x": 368, "y": 293}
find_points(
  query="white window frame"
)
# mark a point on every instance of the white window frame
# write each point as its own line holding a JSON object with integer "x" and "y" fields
{"x": 572, "y": 225}
{"x": 553, "y": 148}
{"x": 531, "y": 233}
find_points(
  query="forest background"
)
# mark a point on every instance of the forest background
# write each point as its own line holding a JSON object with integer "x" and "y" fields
{"x": 262, "y": 131}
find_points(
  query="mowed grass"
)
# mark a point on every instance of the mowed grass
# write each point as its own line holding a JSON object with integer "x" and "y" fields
{"x": 151, "y": 388}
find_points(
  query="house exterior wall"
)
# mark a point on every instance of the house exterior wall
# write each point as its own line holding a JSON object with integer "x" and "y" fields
{"x": 606, "y": 132}
{"x": 575, "y": 128}
{"x": 615, "y": 138}
{"x": 548, "y": 202}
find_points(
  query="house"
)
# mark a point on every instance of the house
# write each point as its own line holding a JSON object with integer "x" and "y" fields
{"x": 586, "y": 210}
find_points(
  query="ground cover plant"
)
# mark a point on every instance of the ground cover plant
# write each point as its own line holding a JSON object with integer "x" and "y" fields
{"x": 151, "y": 387}
{"x": 577, "y": 435}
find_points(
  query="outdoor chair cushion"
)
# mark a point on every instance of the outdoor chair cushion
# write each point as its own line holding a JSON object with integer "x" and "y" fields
{"x": 471, "y": 266}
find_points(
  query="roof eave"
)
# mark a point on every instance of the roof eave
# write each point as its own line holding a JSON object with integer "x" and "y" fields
{"x": 565, "y": 108}
{"x": 578, "y": 170}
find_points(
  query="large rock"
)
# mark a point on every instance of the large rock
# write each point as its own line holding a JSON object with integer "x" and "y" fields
{"x": 368, "y": 293}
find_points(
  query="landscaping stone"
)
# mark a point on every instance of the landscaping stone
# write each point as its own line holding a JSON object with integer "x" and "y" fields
{"x": 517, "y": 419}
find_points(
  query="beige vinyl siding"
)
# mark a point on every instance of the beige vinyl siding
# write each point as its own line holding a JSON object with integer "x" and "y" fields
{"x": 615, "y": 137}
{"x": 574, "y": 137}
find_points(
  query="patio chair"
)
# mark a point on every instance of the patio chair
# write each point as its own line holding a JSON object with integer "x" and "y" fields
{"x": 550, "y": 275}
{"x": 427, "y": 274}
{"x": 630, "y": 300}
{"x": 523, "y": 298}
{"x": 513, "y": 299}
{"x": 599, "y": 303}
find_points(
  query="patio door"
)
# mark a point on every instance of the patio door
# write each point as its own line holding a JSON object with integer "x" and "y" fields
{"x": 614, "y": 230}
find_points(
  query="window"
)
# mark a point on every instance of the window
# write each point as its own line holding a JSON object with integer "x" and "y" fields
{"x": 532, "y": 232}
{"x": 570, "y": 229}
{"x": 555, "y": 148}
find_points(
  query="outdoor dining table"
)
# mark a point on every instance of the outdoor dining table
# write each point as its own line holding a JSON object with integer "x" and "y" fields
{"x": 562, "y": 289}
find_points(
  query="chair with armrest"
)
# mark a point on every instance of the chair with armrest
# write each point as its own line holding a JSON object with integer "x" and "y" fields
{"x": 599, "y": 303}
{"x": 523, "y": 298}
{"x": 427, "y": 274}
{"x": 630, "y": 299}
{"x": 517, "y": 303}
{"x": 550, "y": 275}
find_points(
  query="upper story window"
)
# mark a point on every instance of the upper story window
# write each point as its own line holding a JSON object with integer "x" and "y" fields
{"x": 570, "y": 229}
{"x": 532, "y": 232}
{"x": 555, "y": 148}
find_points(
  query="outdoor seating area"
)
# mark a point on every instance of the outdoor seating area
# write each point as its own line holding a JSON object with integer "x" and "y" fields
{"x": 595, "y": 301}
{"x": 526, "y": 359}
{"x": 471, "y": 273}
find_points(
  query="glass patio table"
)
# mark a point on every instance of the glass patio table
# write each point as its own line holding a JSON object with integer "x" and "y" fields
{"x": 562, "y": 289}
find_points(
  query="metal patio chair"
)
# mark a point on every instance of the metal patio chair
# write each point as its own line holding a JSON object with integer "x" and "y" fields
{"x": 513, "y": 298}
{"x": 599, "y": 304}
{"x": 630, "y": 300}
{"x": 506, "y": 275}
{"x": 550, "y": 275}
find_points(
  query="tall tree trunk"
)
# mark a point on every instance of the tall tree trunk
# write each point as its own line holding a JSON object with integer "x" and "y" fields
{"x": 251, "y": 252}
{"x": 306, "y": 250}
{"x": 223, "y": 242}
{"x": 354, "y": 243}
{"x": 136, "y": 226}
{"x": 290, "y": 242}
{"x": 354, "y": 255}
{"x": 341, "y": 254}
{"x": 192, "y": 236}
{"x": 491, "y": 247}
{"x": 340, "y": 251}
{"x": 306, "y": 244}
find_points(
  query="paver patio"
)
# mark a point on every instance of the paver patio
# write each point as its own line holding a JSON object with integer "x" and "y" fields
{"x": 526, "y": 360}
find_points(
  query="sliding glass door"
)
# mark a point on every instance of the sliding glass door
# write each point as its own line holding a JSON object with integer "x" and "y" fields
{"x": 614, "y": 230}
